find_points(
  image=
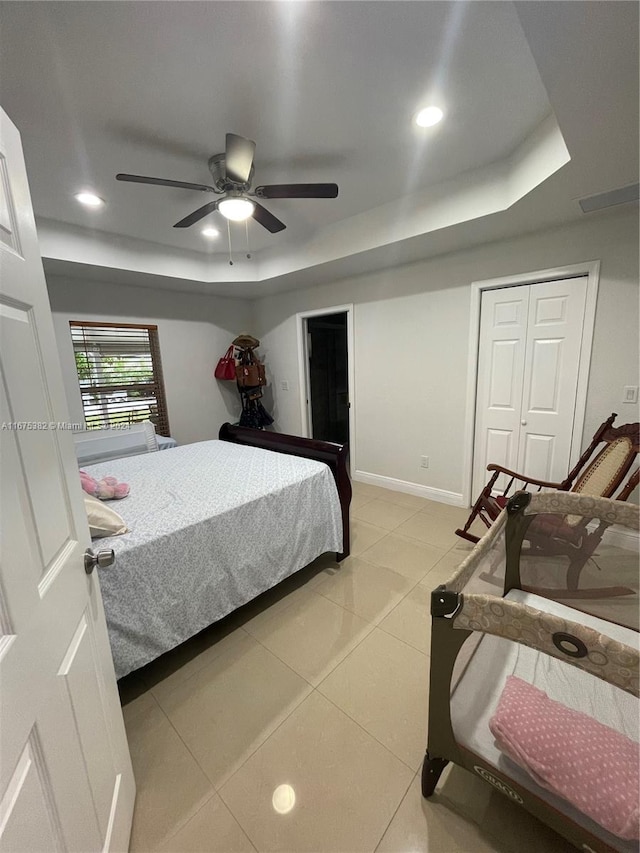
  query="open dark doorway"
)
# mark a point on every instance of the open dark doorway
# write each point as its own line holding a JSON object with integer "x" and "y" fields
{"x": 328, "y": 377}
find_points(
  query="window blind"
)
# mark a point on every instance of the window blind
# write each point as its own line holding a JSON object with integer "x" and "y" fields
{"x": 120, "y": 374}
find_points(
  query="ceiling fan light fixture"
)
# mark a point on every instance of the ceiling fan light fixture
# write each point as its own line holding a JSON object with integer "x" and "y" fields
{"x": 429, "y": 116}
{"x": 210, "y": 232}
{"x": 236, "y": 209}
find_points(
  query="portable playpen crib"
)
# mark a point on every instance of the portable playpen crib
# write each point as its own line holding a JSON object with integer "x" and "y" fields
{"x": 491, "y": 632}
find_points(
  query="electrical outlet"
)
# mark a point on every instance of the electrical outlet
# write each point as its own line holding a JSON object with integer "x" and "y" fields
{"x": 424, "y": 461}
{"x": 630, "y": 394}
{"x": 284, "y": 385}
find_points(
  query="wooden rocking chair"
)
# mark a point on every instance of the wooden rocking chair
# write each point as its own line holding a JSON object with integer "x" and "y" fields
{"x": 568, "y": 535}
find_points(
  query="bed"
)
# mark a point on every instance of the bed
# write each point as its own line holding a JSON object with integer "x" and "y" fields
{"x": 492, "y": 629}
{"x": 212, "y": 525}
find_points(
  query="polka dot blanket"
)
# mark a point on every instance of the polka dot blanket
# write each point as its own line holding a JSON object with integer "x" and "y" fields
{"x": 589, "y": 764}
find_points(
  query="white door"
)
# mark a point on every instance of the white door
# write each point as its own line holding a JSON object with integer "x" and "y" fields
{"x": 66, "y": 781}
{"x": 528, "y": 364}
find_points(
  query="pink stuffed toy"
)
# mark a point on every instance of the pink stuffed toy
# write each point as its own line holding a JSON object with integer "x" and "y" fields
{"x": 106, "y": 489}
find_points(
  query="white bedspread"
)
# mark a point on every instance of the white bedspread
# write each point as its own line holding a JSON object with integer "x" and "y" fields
{"x": 477, "y": 693}
{"x": 211, "y": 526}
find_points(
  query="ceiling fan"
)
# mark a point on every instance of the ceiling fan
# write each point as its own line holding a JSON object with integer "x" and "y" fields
{"x": 232, "y": 174}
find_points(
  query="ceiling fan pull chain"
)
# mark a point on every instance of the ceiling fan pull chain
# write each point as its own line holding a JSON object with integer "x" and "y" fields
{"x": 246, "y": 230}
{"x": 229, "y": 238}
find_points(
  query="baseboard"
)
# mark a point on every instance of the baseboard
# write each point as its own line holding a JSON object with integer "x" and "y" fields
{"x": 428, "y": 492}
{"x": 622, "y": 537}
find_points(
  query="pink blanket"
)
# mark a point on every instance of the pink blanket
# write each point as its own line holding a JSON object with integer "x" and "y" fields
{"x": 592, "y": 766}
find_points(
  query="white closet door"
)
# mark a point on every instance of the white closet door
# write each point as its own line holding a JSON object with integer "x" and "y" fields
{"x": 554, "y": 337}
{"x": 503, "y": 335}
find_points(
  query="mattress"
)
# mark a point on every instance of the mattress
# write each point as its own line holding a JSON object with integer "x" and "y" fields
{"x": 477, "y": 692}
{"x": 211, "y": 526}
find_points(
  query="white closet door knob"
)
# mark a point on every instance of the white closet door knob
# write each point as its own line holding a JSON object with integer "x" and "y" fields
{"x": 524, "y": 423}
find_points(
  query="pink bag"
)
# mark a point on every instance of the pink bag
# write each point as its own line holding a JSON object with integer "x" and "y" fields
{"x": 226, "y": 367}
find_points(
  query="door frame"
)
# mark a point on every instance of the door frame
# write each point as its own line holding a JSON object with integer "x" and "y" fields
{"x": 303, "y": 371}
{"x": 590, "y": 269}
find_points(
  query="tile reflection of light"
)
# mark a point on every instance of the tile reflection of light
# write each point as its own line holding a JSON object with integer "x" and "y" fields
{"x": 284, "y": 799}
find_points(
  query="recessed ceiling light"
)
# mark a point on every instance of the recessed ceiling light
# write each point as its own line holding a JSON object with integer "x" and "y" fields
{"x": 429, "y": 116}
{"x": 237, "y": 209}
{"x": 89, "y": 199}
{"x": 210, "y": 232}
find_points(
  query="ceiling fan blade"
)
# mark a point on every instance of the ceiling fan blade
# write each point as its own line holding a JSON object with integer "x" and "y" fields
{"x": 163, "y": 182}
{"x": 263, "y": 217}
{"x": 298, "y": 191}
{"x": 238, "y": 157}
{"x": 197, "y": 215}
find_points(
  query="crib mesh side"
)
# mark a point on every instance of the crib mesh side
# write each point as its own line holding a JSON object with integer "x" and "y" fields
{"x": 584, "y": 554}
{"x": 483, "y": 568}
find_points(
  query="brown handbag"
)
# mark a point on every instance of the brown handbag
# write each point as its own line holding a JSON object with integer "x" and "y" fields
{"x": 251, "y": 375}
{"x": 250, "y": 371}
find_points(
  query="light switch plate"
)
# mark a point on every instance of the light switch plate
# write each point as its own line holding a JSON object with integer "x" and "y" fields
{"x": 284, "y": 385}
{"x": 630, "y": 394}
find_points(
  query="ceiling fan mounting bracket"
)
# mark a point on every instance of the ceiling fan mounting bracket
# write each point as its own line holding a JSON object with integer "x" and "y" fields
{"x": 221, "y": 183}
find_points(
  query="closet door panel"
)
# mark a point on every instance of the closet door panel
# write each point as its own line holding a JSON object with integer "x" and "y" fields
{"x": 545, "y": 373}
{"x": 538, "y": 454}
{"x": 552, "y": 358}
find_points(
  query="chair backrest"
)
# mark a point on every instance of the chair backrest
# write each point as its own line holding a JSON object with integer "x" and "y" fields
{"x": 604, "y": 474}
{"x": 98, "y": 445}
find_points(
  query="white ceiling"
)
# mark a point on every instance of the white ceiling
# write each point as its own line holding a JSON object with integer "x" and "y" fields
{"x": 327, "y": 90}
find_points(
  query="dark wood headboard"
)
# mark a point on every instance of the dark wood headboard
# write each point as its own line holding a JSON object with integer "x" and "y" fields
{"x": 336, "y": 456}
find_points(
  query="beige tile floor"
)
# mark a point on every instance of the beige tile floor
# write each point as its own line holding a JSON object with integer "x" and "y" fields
{"x": 299, "y": 723}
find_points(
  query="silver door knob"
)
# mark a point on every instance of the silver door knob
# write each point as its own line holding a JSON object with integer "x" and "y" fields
{"x": 102, "y": 559}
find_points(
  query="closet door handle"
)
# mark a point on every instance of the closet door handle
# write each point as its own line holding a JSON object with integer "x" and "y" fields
{"x": 524, "y": 423}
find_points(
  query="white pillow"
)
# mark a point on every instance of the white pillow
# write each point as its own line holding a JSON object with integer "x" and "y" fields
{"x": 103, "y": 521}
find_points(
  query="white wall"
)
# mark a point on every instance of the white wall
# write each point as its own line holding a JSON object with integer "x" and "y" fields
{"x": 411, "y": 343}
{"x": 194, "y": 331}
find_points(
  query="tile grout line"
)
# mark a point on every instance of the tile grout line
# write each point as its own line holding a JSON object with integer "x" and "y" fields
{"x": 183, "y": 823}
{"x": 284, "y": 610}
{"x": 197, "y": 812}
{"x": 216, "y": 789}
{"x": 313, "y": 686}
{"x": 400, "y": 600}
{"x": 219, "y": 788}
{"x": 404, "y": 535}
{"x": 344, "y": 711}
{"x": 378, "y": 566}
{"x": 368, "y": 734}
{"x": 402, "y": 799}
{"x": 408, "y": 645}
{"x": 196, "y": 671}
{"x": 391, "y": 530}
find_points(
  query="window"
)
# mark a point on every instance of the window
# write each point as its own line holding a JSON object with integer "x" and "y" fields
{"x": 120, "y": 374}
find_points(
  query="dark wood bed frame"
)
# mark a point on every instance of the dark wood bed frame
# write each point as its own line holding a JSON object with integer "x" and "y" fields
{"x": 336, "y": 456}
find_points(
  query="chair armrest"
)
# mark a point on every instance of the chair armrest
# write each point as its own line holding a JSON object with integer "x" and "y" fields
{"x": 524, "y": 478}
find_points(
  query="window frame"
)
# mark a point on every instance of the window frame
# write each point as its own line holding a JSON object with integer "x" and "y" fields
{"x": 156, "y": 384}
